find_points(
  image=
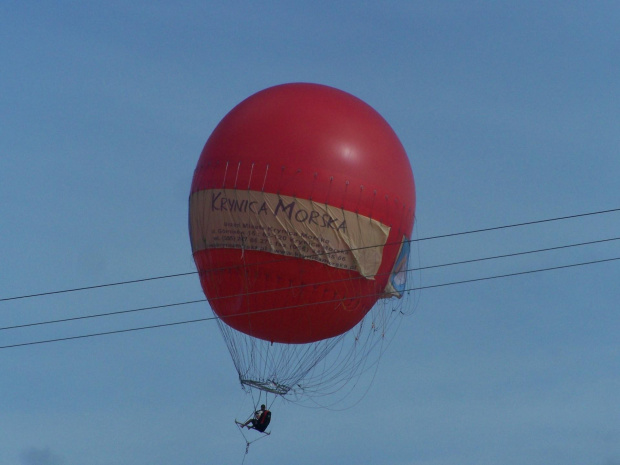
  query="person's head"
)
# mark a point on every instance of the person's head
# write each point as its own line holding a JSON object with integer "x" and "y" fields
{"x": 262, "y": 407}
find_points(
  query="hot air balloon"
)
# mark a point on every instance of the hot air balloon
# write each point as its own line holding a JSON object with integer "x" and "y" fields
{"x": 301, "y": 212}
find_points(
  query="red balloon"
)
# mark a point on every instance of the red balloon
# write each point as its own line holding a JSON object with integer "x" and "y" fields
{"x": 300, "y": 204}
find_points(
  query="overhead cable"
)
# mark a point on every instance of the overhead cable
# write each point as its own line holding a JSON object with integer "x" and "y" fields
{"x": 441, "y": 236}
{"x": 301, "y": 286}
{"x": 83, "y": 336}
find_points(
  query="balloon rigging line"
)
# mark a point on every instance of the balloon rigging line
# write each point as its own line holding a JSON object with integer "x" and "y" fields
{"x": 441, "y": 236}
{"x": 487, "y": 278}
{"x": 301, "y": 286}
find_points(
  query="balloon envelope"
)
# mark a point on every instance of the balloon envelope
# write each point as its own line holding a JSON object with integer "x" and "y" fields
{"x": 301, "y": 207}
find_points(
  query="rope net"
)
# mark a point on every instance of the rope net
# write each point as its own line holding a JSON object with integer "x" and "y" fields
{"x": 302, "y": 373}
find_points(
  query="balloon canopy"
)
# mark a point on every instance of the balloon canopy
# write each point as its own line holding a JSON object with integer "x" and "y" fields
{"x": 300, "y": 214}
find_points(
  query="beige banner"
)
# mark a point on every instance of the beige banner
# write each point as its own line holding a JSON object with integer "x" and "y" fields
{"x": 251, "y": 220}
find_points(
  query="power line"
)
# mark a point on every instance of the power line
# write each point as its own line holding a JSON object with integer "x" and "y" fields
{"x": 97, "y": 286}
{"x": 519, "y": 273}
{"x": 515, "y": 225}
{"x": 106, "y": 333}
{"x": 301, "y": 286}
{"x": 83, "y": 336}
{"x": 516, "y": 254}
{"x": 441, "y": 236}
{"x": 99, "y": 315}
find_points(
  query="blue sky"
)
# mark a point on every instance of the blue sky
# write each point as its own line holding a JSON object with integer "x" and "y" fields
{"x": 509, "y": 112}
